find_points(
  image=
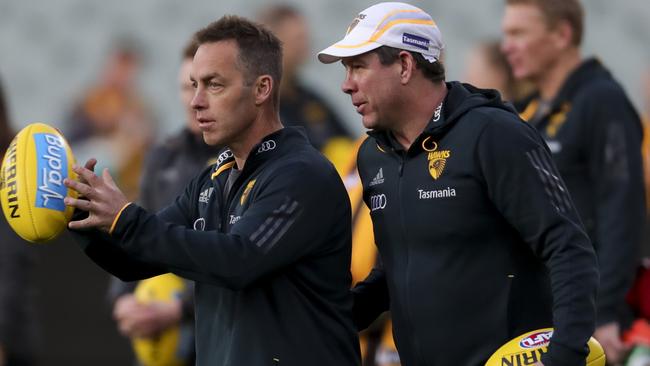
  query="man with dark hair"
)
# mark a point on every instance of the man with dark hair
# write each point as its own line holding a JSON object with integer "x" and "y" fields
{"x": 594, "y": 135}
{"x": 478, "y": 238}
{"x": 264, "y": 233}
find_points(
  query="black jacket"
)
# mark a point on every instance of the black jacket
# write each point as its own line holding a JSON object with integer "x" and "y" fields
{"x": 595, "y": 137}
{"x": 270, "y": 261}
{"x": 477, "y": 236}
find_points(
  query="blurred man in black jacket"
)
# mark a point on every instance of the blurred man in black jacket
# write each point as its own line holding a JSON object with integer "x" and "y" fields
{"x": 595, "y": 137}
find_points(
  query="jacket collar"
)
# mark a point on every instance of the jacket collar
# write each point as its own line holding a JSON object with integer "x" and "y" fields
{"x": 270, "y": 147}
{"x": 589, "y": 70}
{"x": 460, "y": 99}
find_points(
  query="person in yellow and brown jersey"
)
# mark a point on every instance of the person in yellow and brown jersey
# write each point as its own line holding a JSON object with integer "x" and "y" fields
{"x": 113, "y": 120}
{"x": 377, "y": 344}
{"x": 594, "y": 135}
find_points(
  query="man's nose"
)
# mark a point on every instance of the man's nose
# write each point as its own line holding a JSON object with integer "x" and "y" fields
{"x": 348, "y": 86}
{"x": 198, "y": 101}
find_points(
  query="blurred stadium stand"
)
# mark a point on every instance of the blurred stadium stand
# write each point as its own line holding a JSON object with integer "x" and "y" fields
{"x": 50, "y": 50}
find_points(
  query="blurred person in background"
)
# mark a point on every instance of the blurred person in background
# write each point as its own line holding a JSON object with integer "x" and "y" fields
{"x": 301, "y": 105}
{"x": 594, "y": 134}
{"x": 18, "y": 328}
{"x": 486, "y": 67}
{"x": 112, "y": 120}
{"x": 168, "y": 169}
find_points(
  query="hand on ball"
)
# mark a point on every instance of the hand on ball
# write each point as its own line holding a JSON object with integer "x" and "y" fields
{"x": 99, "y": 196}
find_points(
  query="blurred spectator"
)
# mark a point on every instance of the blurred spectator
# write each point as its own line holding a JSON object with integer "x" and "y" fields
{"x": 299, "y": 104}
{"x": 18, "y": 328}
{"x": 168, "y": 169}
{"x": 303, "y": 107}
{"x": 112, "y": 122}
{"x": 487, "y": 68}
{"x": 595, "y": 136}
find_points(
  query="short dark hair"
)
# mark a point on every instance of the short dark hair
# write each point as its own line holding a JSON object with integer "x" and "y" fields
{"x": 190, "y": 48}
{"x": 434, "y": 71}
{"x": 260, "y": 51}
{"x": 555, "y": 11}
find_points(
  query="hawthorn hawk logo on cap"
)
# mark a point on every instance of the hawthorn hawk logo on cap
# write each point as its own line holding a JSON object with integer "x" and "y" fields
{"x": 356, "y": 21}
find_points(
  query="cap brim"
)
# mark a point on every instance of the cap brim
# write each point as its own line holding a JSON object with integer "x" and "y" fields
{"x": 339, "y": 50}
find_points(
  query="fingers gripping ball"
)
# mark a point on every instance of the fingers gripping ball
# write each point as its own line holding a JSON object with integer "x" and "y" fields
{"x": 163, "y": 349}
{"x": 528, "y": 348}
{"x": 31, "y": 183}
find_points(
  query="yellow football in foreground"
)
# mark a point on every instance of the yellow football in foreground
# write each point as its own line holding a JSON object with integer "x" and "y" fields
{"x": 161, "y": 350}
{"x": 31, "y": 183}
{"x": 528, "y": 349}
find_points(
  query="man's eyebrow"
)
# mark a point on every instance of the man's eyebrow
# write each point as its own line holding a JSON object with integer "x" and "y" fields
{"x": 349, "y": 60}
{"x": 206, "y": 77}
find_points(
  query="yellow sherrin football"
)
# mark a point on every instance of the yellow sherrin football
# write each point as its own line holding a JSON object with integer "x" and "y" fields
{"x": 163, "y": 349}
{"x": 528, "y": 348}
{"x": 31, "y": 183}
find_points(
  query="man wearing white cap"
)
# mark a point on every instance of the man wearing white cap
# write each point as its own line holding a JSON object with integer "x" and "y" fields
{"x": 479, "y": 238}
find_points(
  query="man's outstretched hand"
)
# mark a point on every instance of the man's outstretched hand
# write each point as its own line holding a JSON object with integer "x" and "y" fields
{"x": 99, "y": 196}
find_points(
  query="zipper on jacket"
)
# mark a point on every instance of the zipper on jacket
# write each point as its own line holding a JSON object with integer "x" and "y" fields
{"x": 414, "y": 343}
{"x": 225, "y": 209}
{"x": 401, "y": 156}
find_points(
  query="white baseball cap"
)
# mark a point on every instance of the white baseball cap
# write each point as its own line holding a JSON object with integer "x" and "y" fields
{"x": 397, "y": 25}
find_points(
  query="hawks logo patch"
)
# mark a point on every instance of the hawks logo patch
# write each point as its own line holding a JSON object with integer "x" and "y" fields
{"x": 437, "y": 158}
{"x": 247, "y": 190}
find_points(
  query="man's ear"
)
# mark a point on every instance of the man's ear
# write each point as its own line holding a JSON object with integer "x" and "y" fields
{"x": 563, "y": 33}
{"x": 263, "y": 88}
{"x": 407, "y": 66}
